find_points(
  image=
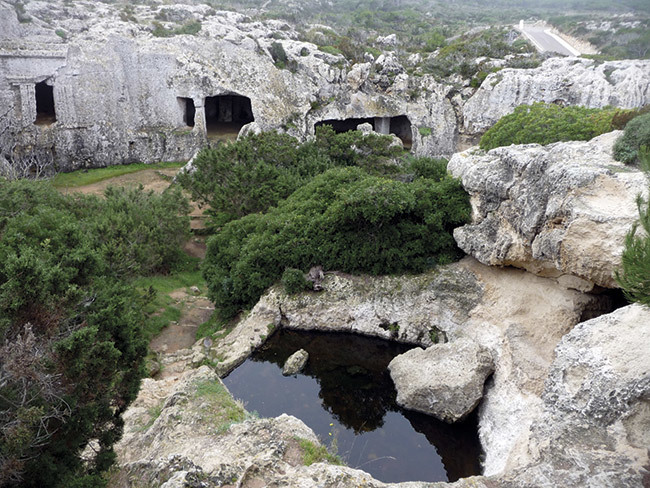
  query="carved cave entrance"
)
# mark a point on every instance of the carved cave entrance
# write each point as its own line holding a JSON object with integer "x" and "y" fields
{"x": 45, "y": 114}
{"x": 188, "y": 110}
{"x": 225, "y": 115}
{"x": 399, "y": 126}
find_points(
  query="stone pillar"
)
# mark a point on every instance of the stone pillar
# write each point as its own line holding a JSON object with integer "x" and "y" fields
{"x": 199, "y": 115}
{"x": 27, "y": 104}
{"x": 225, "y": 109}
{"x": 382, "y": 125}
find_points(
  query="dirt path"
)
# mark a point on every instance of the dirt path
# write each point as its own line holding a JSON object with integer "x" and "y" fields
{"x": 194, "y": 311}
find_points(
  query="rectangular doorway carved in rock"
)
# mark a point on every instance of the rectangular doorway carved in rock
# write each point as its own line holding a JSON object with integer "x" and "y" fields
{"x": 188, "y": 110}
{"x": 45, "y": 113}
{"x": 225, "y": 115}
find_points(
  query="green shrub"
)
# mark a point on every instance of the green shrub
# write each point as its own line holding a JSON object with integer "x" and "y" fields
{"x": 71, "y": 329}
{"x": 343, "y": 219}
{"x": 637, "y": 134}
{"x": 294, "y": 281}
{"x": 141, "y": 232}
{"x": 258, "y": 171}
{"x": 543, "y": 123}
{"x": 278, "y": 54}
{"x": 634, "y": 276}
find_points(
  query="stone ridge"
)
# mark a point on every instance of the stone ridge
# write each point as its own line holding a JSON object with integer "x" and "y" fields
{"x": 561, "y": 210}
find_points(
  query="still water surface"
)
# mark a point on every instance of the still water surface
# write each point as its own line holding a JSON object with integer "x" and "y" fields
{"x": 346, "y": 396}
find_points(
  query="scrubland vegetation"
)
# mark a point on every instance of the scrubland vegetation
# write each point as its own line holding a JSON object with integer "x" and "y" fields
{"x": 72, "y": 324}
{"x": 344, "y": 201}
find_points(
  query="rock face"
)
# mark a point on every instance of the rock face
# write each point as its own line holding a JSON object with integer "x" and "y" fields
{"x": 295, "y": 363}
{"x": 568, "y": 81}
{"x": 444, "y": 380}
{"x": 560, "y": 210}
{"x": 594, "y": 429}
{"x": 118, "y": 94}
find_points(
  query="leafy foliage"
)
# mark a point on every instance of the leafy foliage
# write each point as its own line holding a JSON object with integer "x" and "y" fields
{"x": 72, "y": 343}
{"x": 258, "y": 171}
{"x": 634, "y": 276}
{"x": 637, "y": 134}
{"x": 543, "y": 123}
{"x": 294, "y": 281}
{"x": 343, "y": 219}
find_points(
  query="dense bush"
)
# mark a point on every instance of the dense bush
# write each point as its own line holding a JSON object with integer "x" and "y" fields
{"x": 637, "y": 134}
{"x": 258, "y": 171}
{"x": 343, "y": 219}
{"x": 543, "y": 123}
{"x": 71, "y": 328}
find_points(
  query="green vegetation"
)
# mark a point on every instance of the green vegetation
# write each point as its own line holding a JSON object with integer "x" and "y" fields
{"x": 313, "y": 453}
{"x": 294, "y": 281}
{"x": 636, "y": 135}
{"x": 84, "y": 177}
{"x": 459, "y": 56}
{"x": 280, "y": 57}
{"x": 220, "y": 409}
{"x": 189, "y": 28}
{"x": 343, "y": 219}
{"x": 72, "y": 326}
{"x": 546, "y": 123}
{"x": 258, "y": 171}
{"x": 634, "y": 276}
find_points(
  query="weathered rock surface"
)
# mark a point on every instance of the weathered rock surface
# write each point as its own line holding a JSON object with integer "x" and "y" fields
{"x": 569, "y": 81}
{"x": 560, "y": 210}
{"x": 594, "y": 428}
{"x": 120, "y": 94}
{"x": 444, "y": 380}
{"x": 295, "y": 363}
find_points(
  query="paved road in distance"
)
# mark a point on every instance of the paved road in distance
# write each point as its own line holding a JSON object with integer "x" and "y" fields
{"x": 545, "y": 42}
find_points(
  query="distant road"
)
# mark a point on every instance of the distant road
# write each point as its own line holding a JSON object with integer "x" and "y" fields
{"x": 545, "y": 41}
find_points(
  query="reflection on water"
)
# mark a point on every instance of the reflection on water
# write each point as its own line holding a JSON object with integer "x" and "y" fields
{"x": 346, "y": 396}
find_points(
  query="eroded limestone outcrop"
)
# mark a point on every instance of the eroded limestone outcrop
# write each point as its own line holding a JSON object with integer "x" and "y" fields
{"x": 594, "y": 428}
{"x": 560, "y": 210}
{"x": 567, "y": 81}
{"x": 443, "y": 380}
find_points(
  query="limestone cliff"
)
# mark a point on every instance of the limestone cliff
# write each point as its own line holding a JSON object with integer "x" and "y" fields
{"x": 90, "y": 85}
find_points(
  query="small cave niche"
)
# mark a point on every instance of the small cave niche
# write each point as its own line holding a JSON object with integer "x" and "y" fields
{"x": 399, "y": 126}
{"x": 188, "y": 110}
{"x": 225, "y": 115}
{"x": 45, "y": 114}
{"x": 346, "y": 125}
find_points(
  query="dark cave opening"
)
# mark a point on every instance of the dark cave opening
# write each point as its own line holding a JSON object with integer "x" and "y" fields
{"x": 225, "y": 115}
{"x": 399, "y": 126}
{"x": 45, "y": 113}
{"x": 188, "y": 109}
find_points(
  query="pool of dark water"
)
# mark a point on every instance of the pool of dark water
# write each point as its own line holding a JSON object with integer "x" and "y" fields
{"x": 345, "y": 394}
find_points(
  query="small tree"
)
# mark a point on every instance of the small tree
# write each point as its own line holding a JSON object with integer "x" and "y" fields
{"x": 634, "y": 276}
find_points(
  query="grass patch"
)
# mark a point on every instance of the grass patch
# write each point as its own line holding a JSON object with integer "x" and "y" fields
{"x": 161, "y": 308}
{"x": 154, "y": 413}
{"x": 89, "y": 176}
{"x": 312, "y": 453}
{"x": 220, "y": 409}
